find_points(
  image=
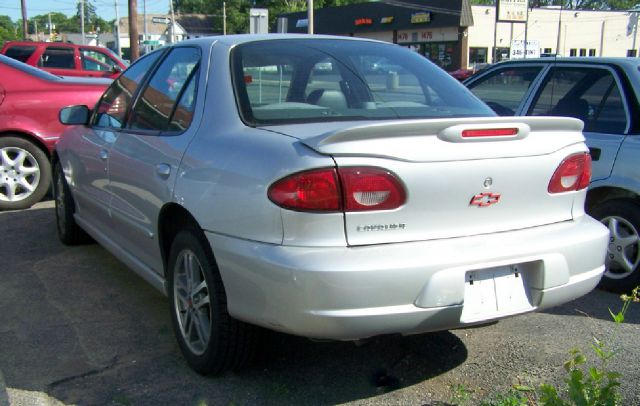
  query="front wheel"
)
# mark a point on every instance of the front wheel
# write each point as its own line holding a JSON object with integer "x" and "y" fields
{"x": 211, "y": 341}
{"x": 69, "y": 232}
{"x": 25, "y": 173}
{"x": 622, "y": 217}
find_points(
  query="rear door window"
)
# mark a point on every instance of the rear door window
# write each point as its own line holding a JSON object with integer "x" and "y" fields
{"x": 20, "y": 52}
{"x": 505, "y": 89}
{"x": 590, "y": 94}
{"x": 96, "y": 60}
{"x": 57, "y": 57}
{"x": 173, "y": 80}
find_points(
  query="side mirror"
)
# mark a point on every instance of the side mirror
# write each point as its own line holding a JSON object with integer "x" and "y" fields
{"x": 116, "y": 69}
{"x": 75, "y": 115}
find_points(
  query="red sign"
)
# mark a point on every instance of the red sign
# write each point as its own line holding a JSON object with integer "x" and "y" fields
{"x": 364, "y": 21}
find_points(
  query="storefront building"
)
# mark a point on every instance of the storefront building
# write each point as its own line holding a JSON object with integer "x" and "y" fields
{"x": 454, "y": 34}
{"x": 436, "y": 29}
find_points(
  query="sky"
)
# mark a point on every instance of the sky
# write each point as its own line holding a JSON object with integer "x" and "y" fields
{"x": 105, "y": 8}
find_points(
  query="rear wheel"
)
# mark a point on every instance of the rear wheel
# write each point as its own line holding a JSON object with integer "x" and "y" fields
{"x": 211, "y": 341}
{"x": 622, "y": 217}
{"x": 25, "y": 173}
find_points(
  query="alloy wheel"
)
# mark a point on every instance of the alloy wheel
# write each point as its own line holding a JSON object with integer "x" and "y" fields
{"x": 19, "y": 174}
{"x": 623, "y": 253}
{"x": 191, "y": 302}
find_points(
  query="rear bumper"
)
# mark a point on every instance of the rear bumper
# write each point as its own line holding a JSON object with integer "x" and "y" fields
{"x": 357, "y": 292}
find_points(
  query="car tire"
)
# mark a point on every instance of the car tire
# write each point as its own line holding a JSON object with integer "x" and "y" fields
{"x": 69, "y": 232}
{"x": 211, "y": 340}
{"x": 25, "y": 173}
{"x": 622, "y": 217}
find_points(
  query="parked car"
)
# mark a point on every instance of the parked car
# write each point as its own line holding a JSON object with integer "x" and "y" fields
{"x": 337, "y": 206}
{"x": 30, "y": 100}
{"x": 465, "y": 73}
{"x": 604, "y": 93}
{"x": 66, "y": 59}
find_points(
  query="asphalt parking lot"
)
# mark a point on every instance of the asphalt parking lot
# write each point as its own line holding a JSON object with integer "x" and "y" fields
{"x": 77, "y": 327}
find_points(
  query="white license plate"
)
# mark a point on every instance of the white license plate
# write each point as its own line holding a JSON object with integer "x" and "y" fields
{"x": 494, "y": 292}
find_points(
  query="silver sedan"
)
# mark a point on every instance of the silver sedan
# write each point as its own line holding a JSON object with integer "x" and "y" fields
{"x": 285, "y": 182}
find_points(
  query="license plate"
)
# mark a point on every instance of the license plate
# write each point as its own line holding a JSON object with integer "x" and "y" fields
{"x": 494, "y": 292}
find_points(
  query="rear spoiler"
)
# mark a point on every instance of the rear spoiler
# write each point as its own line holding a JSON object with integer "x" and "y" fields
{"x": 450, "y": 130}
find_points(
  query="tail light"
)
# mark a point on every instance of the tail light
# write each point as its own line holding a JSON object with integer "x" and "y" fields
{"x": 345, "y": 189}
{"x": 574, "y": 173}
{"x": 490, "y": 132}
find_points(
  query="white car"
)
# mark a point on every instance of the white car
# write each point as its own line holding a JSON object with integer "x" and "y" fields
{"x": 341, "y": 205}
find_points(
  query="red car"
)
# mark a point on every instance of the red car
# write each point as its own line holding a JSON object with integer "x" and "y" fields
{"x": 66, "y": 59}
{"x": 30, "y": 100}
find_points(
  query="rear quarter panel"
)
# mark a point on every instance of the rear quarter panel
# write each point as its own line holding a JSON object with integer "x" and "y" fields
{"x": 32, "y": 107}
{"x": 228, "y": 168}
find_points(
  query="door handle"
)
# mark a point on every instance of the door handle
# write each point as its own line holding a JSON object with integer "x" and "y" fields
{"x": 104, "y": 154}
{"x": 595, "y": 153}
{"x": 163, "y": 170}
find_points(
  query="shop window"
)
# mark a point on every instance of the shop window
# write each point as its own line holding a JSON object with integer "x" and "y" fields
{"x": 583, "y": 52}
{"x": 547, "y": 51}
{"x": 573, "y": 52}
{"x": 440, "y": 53}
{"x": 477, "y": 55}
{"x": 500, "y": 54}
{"x": 592, "y": 52}
{"x": 632, "y": 52}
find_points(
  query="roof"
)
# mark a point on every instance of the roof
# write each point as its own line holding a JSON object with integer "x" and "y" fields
{"x": 627, "y": 61}
{"x": 237, "y": 39}
{"x": 197, "y": 23}
{"x": 152, "y": 27}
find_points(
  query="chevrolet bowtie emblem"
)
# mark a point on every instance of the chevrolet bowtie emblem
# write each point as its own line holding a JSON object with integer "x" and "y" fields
{"x": 485, "y": 199}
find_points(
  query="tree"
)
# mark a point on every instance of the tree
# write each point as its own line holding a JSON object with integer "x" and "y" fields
{"x": 7, "y": 30}
{"x": 238, "y": 10}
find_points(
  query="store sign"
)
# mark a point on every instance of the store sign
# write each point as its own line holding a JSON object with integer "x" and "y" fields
{"x": 386, "y": 20}
{"x": 431, "y": 35}
{"x": 363, "y": 21}
{"x": 517, "y": 49}
{"x": 512, "y": 10}
{"x": 420, "y": 18}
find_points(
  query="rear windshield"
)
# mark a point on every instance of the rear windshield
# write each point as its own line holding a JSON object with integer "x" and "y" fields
{"x": 312, "y": 80}
{"x": 20, "y": 52}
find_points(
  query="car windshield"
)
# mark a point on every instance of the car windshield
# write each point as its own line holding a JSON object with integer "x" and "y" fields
{"x": 28, "y": 68}
{"x": 312, "y": 80}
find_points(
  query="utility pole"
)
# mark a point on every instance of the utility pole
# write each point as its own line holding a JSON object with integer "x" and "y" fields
{"x": 310, "y": 16}
{"x": 35, "y": 26}
{"x": 133, "y": 30}
{"x": 144, "y": 25}
{"x": 82, "y": 20}
{"x": 50, "y": 28}
{"x": 559, "y": 29}
{"x": 173, "y": 19}
{"x": 118, "y": 48}
{"x": 224, "y": 18}
{"x": 25, "y": 22}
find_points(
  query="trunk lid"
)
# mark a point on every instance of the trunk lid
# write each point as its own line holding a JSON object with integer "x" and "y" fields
{"x": 457, "y": 183}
